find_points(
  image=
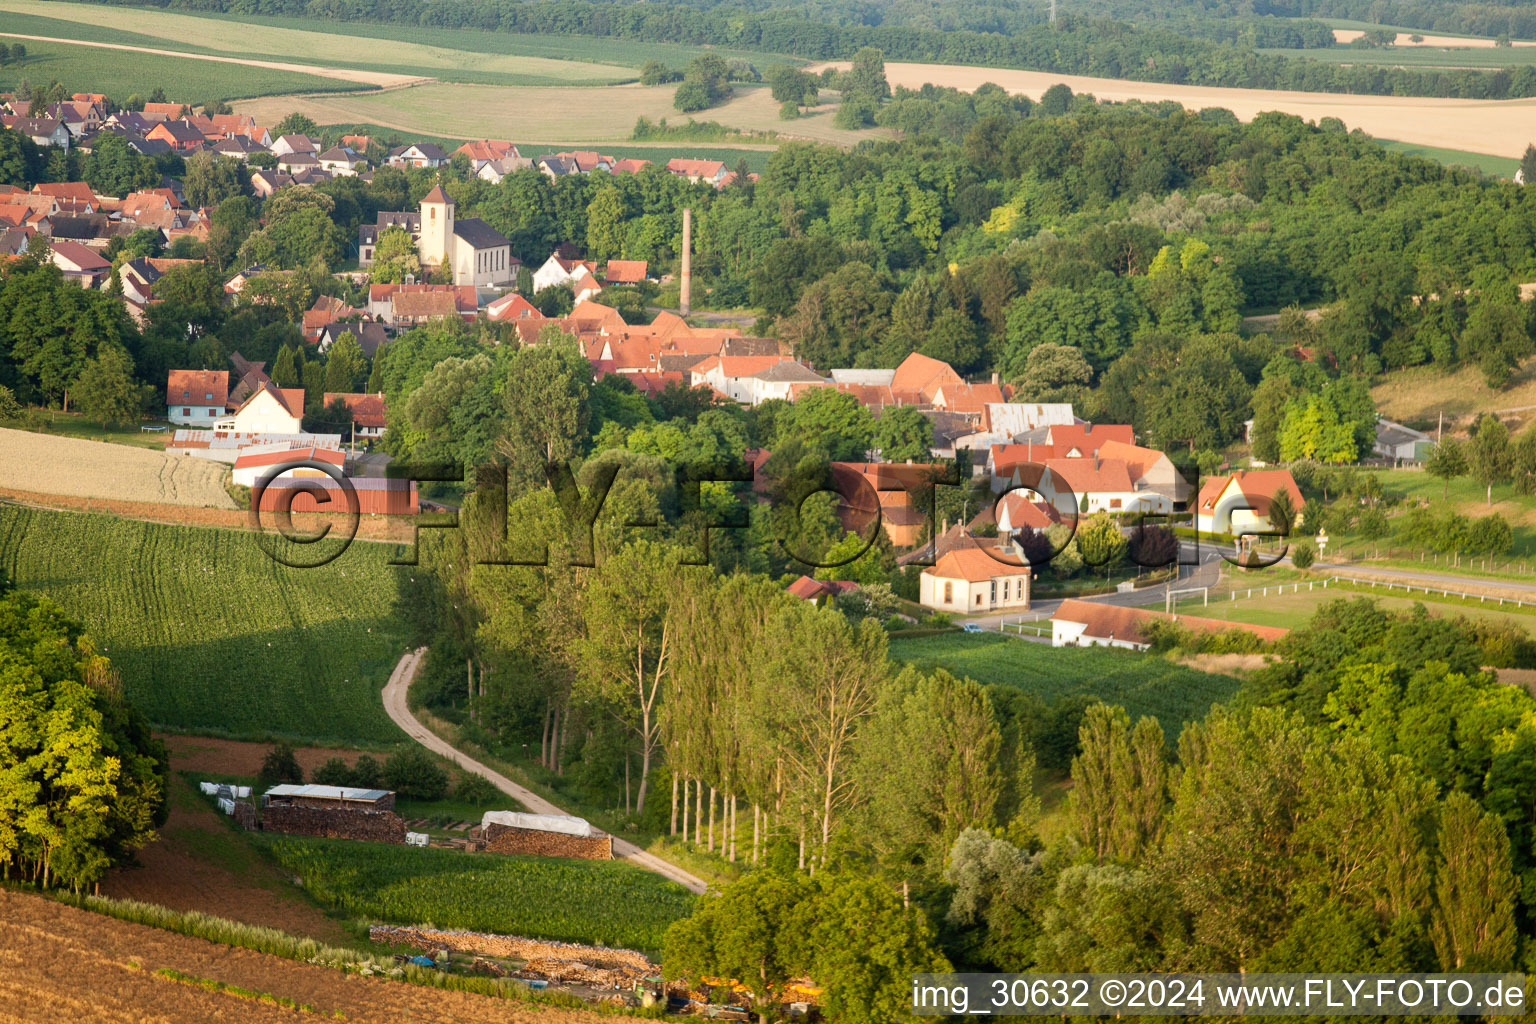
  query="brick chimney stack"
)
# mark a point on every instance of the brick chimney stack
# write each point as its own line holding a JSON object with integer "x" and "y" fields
{"x": 686, "y": 277}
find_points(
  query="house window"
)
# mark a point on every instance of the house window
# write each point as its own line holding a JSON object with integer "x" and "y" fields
{"x": 211, "y": 412}
{"x": 1114, "y": 502}
{"x": 186, "y": 412}
{"x": 949, "y": 592}
{"x": 994, "y": 592}
{"x": 208, "y": 395}
{"x": 1005, "y": 591}
{"x": 978, "y": 600}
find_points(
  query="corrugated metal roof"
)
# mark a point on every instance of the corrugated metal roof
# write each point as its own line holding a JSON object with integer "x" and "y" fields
{"x": 327, "y": 792}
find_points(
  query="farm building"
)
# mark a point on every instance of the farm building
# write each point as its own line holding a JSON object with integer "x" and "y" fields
{"x": 335, "y": 812}
{"x": 226, "y": 445}
{"x": 1395, "y": 441}
{"x": 258, "y": 461}
{"x": 1095, "y": 624}
{"x": 543, "y": 835}
{"x": 969, "y": 581}
{"x": 375, "y": 496}
{"x": 345, "y": 797}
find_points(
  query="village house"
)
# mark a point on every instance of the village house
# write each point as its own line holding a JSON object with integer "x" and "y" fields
{"x": 179, "y": 135}
{"x": 287, "y": 145}
{"x": 370, "y": 336}
{"x": 79, "y": 264}
{"x": 558, "y": 270}
{"x": 624, "y": 272}
{"x": 269, "y": 410}
{"x": 404, "y": 305}
{"x": 711, "y": 172}
{"x": 1077, "y": 623}
{"x": 368, "y": 414}
{"x": 196, "y": 398}
{"x": 43, "y": 131}
{"x": 423, "y": 154}
{"x": 752, "y": 380}
{"x": 1239, "y": 503}
{"x": 889, "y": 487}
{"x": 368, "y": 234}
{"x": 341, "y": 161}
{"x": 969, "y": 581}
{"x": 819, "y": 591}
{"x": 1401, "y": 444}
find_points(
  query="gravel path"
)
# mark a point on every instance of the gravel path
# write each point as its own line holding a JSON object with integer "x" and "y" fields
{"x": 399, "y": 710}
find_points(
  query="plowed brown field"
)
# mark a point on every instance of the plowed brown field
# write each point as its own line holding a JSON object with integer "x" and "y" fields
{"x": 59, "y": 963}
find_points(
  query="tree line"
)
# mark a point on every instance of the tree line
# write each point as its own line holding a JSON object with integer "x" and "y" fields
{"x": 82, "y": 780}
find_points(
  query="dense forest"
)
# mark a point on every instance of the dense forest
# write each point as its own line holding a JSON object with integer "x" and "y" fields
{"x": 1075, "y": 45}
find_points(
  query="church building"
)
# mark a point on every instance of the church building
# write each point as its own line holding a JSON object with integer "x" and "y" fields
{"x": 473, "y": 251}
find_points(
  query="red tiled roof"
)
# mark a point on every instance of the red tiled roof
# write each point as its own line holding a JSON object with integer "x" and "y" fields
{"x": 1092, "y": 476}
{"x": 1088, "y": 437}
{"x": 248, "y": 459}
{"x": 189, "y": 387}
{"x": 367, "y": 409}
{"x": 924, "y": 374}
{"x": 1110, "y": 621}
{"x": 973, "y": 565}
{"x": 66, "y": 189}
{"x": 695, "y": 168}
{"x": 625, "y": 271}
{"x": 1258, "y": 486}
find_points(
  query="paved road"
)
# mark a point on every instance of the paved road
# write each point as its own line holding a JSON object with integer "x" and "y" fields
{"x": 1206, "y": 574}
{"x": 1443, "y": 580}
{"x": 399, "y": 710}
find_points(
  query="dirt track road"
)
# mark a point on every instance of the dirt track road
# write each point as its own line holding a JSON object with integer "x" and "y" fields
{"x": 381, "y": 78}
{"x": 400, "y": 712}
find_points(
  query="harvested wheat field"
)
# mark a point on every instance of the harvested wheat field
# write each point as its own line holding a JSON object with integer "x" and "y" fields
{"x": 61, "y": 963}
{"x": 75, "y": 467}
{"x": 1496, "y": 127}
{"x": 1349, "y": 35}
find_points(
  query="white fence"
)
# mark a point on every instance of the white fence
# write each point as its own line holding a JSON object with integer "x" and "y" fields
{"x": 1361, "y": 581}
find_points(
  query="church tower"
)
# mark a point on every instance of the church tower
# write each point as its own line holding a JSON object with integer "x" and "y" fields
{"x": 437, "y": 228}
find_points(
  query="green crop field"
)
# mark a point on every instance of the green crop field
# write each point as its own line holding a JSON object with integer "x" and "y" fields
{"x": 121, "y": 72}
{"x": 1472, "y": 58}
{"x": 606, "y": 903}
{"x": 211, "y": 634}
{"x": 1499, "y": 166}
{"x": 319, "y": 39}
{"x": 1143, "y": 684}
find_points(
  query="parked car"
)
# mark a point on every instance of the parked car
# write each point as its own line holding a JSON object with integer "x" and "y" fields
{"x": 971, "y": 627}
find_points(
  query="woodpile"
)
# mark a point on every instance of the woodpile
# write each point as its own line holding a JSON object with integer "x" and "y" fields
{"x": 560, "y": 962}
{"x": 507, "y": 839}
{"x": 334, "y": 823}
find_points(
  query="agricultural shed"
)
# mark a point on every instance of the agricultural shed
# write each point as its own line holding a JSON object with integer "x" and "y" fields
{"x": 329, "y": 796}
{"x": 543, "y": 835}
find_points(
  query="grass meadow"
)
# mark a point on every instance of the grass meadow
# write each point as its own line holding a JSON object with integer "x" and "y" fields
{"x": 209, "y": 633}
{"x": 1143, "y": 684}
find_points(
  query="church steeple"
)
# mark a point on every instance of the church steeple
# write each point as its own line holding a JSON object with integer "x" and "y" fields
{"x": 436, "y": 226}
